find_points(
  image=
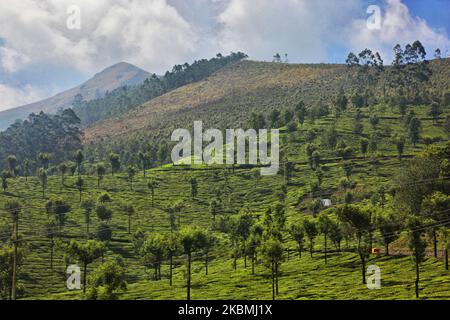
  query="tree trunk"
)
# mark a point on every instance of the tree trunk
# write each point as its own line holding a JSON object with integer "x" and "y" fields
{"x": 363, "y": 265}
{"x": 311, "y": 248}
{"x": 52, "y": 244}
{"x": 435, "y": 243}
{"x": 245, "y": 259}
{"x": 189, "y": 278}
{"x": 171, "y": 269}
{"x": 417, "y": 280}
{"x": 276, "y": 278}
{"x": 253, "y": 263}
{"x": 206, "y": 264}
{"x": 299, "y": 251}
{"x": 14, "y": 273}
{"x": 386, "y": 249}
{"x": 273, "y": 281}
{"x": 84, "y": 277}
{"x": 129, "y": 224}
{"x": 326, "y": 257}
{"x": 446, "y": 258}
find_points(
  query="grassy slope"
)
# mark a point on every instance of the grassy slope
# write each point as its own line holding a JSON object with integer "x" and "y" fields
{"x": 229, "y": 94}
{"x": 227, "y": 98}
{"x": 304, "y": 279}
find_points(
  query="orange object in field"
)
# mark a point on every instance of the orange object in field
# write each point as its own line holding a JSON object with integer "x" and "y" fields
{"x": 375, "y": 251}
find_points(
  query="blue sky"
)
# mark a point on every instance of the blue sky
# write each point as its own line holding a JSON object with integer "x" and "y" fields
{"x": 40, "y": 56}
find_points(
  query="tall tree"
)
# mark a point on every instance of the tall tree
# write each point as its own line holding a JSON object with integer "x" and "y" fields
{"x": 191, "y": 240}
{"x": 172, "y": 248}
{"x": 414, "y": 130}
{"x": 418, "y": 246}
{"x": 114, "y": 160}
{"x": 59, "y": 209}
{"x": 298, "y": 234}
{"x": 14, "y": 208}
{"x": 51, "y": 231}
{"x": 311, "y": 232}
{"x": 143, "y": 159}
{"x": 436, "y": 206}
{"x": 360, "y": 220}
{"x": 272, "y": 250}
{"x": 86, "y": 253}
{"x": 79, "y": 184}
{"x": 88, "y": 207}
{"x": 12, "y": 164}
{"x": 42, "y": 175}
{"x": 325, "y": 227}
{"x": 79, "y": 157}
{"x": 389, "y": 227}
{"x": 129, "y": 210}
{"x": 101, "y": 172}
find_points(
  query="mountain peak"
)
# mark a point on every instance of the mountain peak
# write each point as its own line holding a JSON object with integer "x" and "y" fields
{"x": 113, "y": 77}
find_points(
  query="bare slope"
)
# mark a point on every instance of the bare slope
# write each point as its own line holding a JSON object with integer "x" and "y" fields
{"x": 114, "y": 77}
{"x": 227, "y": 95}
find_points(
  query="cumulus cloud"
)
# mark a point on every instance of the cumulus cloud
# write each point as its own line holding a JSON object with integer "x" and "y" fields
{"x": 156, "y": 34}
{"x": 11, "y": 60}
{"x": 304, "y": 29}
{"x": 397, "y": 26}
{"x": 150, "y": 33}
{"x": 11, "y": 96}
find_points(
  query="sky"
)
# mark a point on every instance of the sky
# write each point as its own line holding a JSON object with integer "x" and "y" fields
{"x": 47, "y": 46}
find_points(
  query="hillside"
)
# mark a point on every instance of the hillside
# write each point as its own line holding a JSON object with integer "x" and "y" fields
{"x": 227, "y": 98}
{"x": 240, "y": 88}
{"x": 306, "y": 277}
{"x": 116, "y": 76}
{"x": 373, "y": 160}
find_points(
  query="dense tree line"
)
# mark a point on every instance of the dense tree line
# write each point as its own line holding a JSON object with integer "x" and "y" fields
{"x": 32, "y": 141}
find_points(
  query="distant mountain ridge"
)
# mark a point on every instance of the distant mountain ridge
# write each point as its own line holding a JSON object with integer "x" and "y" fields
{"x": 111, "y": 78}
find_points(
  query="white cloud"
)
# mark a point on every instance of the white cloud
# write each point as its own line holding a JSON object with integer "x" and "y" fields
{"x": 11, "y": 60}
{"x": 11, "y": 96}
{"x": 302, "y": 28}
{"x": 156, "y": 34}
{"x": 149, "y": 33}
{"x": 397, "y": 26}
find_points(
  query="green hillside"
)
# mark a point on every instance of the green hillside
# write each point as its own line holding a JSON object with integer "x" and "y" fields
{"x": 363, "y": 182}
{"x": 301, "y": 278}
